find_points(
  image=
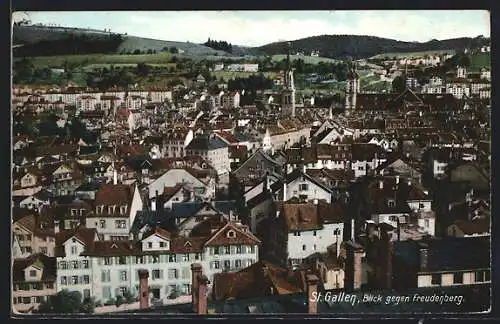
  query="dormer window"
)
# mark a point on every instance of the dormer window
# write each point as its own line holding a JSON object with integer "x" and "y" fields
{"x": 73, "y": 212}
{"x": 123, "y": 209}
{"x": 110, "y": 209}
{"x": 231, "y": 234}
{"x": 391, "y": 203}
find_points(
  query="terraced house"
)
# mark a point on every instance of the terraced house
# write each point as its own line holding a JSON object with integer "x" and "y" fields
{"x": 107, "y": 269}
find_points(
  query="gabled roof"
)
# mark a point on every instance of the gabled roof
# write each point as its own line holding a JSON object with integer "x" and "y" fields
{"x": 85, "y": 236}
{"x": 241, "y": 236}
{"x": 41, "y": 261}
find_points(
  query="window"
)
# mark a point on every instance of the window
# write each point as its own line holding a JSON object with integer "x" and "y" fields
{"x": 479, "y": 276}
{"x": 238, "y": 249}
{"x": 74, "y": 280}
{"x": 74, "y": 249}
{"x": 38, "y": 299}
{"x": 163, "y": 244}
{"x": 227, "y": 264}
{"x": 421, "y": 206}
{"x": 185, "y": 257}
{"x": 237, "y": 264}
{"x": 106, "y": 293}
{"x": 123, "y": 275}
{"x": 105, "y": 275}
{"x": 458, "y": 278}
{"x": 296, "y": 233}
{"x": 139, "y": 260}
{"x": 85, "y": 264}
{"x": 150, "y": 245}
{"x": 391, "y": 203}
{"x": 120, "y": 224}
{"x": 227, "y": 249}
{"x": 86, "y": 293}
{"x": 314, "y": 247}
{"x": 86, "y": 279}
{"x": 155, "y": 259}
{"x": 122, "y": 260}
{"x": 26, "y": 300}
{"x": 216, "y": 250}
{"x": 74, "y": 265}
{"x": 32, "y": 273}
{"x": 426, "y": 223}
{"x": 156, "y": 274}
{"x": 172, "y": 258}
{"x": 251, "y": 249}
{"x": 196, "y": 256}
{"x": 314, "y": 233}
{"x": 49, "y": 285}
{"x": 172, "y": 274}
{"x": 216, "y": 265}
{"x": 303, "y": 247}
{"x": 63, "y": 280}
{"x": 102, "y": 223}
{"x": 303, "y": 187}
{"x": 231, "y": 234}
{"x": 108, "y": 261}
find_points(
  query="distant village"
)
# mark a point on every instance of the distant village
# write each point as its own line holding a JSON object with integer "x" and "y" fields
{"x": 183, "y": 200}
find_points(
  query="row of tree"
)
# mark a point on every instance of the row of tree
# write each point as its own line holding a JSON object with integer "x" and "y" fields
{"x": 219, "y": 45}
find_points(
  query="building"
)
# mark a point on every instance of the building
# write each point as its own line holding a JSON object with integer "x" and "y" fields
{"x": 352, "y": 88}
{"x": 302, "y": 229}
{"x": 115, "y": 208}
{"x": 33, "y": 281}
{"x": 442, "y": 262}
{"x": 213, "y": 150}
{"x": 106, "y": 269}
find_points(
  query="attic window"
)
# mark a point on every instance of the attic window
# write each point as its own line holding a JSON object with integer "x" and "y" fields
{"x": 187, "y": 243}
{"x": 391, "y": 203}
{"x": 114, "y": 246}
{"x": 231, "y": 234}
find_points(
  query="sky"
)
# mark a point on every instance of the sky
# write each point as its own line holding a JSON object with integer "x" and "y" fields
{"x": 255, "y": 28}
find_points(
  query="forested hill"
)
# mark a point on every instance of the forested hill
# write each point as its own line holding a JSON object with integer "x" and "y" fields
{"x": 343, "y": 46}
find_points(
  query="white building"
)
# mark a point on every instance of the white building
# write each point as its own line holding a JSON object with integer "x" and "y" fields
{"x": 304, "y": 229}
{"x": 105, "y": 269}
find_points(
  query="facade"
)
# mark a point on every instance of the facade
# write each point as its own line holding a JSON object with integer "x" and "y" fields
{"x": 105, "y": 269}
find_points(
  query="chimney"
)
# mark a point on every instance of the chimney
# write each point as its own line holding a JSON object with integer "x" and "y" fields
{"x": 397, "y": 179}
{"x": 354, "y": 253}
{"x": 284, "y": 189}
{"x": 409, "y": 183}
{"x": 312, "y": 289}
{"x": 199, "y": 284}
{"x": 353, "y": 230}
{"x": 56, "y": 227}
{"x": 115, "y": 177}
{"x": 143, "y": 289}
{"x": 304, "y": 168}
{"x": 196, "y": 273}
{"x": 424, "y": 253}
{"x": 381, "y": 184}
{"x": 386, "y": 266}
{"x": 315, "y": 201}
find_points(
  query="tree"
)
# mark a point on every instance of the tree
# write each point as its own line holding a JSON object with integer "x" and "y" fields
{"x": 66, "y": 302}
{"x": 398, "y": 84}
{"x": 174, "y": 50}
{"x": 143, "y": 69}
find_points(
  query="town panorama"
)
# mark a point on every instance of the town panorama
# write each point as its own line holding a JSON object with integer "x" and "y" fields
{"x": 325, "y": 175}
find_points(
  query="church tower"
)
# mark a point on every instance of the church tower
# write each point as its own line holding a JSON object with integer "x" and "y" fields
{"x": 288, "y": 90}
{"x": 352, "y": 88}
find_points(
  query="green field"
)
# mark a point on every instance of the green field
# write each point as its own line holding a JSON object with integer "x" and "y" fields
{"x": 87, "y": 59}
{"x": 480, "y": 60}
{"x": 307, "y": 59}
{"x": 410, "y": 55}
{"x": 226, "y": 75}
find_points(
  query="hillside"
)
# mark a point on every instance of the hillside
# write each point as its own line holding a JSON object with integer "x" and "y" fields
{"x": 343, "y": 46}
{"x": 33, "y": 36}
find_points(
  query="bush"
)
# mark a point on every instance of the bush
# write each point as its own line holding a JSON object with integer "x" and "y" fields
{"x": 119, "y": 301}
{"x": 110, "y": 302}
